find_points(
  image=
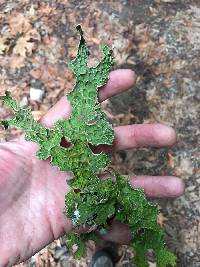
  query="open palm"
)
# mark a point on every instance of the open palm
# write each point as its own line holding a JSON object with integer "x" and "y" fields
{"x": 32, "y": 192}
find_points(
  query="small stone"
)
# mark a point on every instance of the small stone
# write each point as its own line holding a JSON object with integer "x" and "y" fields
{"x": 59, "y": 252}
{"x": 36, "y": 94}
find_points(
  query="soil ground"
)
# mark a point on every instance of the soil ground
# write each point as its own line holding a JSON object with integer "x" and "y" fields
{"x": 160, "y": 41}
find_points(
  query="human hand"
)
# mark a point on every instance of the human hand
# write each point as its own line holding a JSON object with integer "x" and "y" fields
{"x": 32, "y": 191}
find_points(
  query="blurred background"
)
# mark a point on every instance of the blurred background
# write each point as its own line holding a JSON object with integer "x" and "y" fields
{"x": 160, "y": 41}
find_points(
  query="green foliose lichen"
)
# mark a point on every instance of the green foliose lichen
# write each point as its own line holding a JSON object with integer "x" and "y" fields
{"x": 92, "y": 201}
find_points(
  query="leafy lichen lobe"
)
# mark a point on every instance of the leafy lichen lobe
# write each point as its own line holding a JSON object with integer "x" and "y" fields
{"x": 92, "y": 201}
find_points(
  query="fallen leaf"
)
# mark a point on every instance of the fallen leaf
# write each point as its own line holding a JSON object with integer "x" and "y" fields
{"x": 25, "y": 44}
{"x": 16, "y": 62}
{"x": 5, "y": 42}
{"x": 35, "y": 73}
{"x": 171, "y": 161}
{"x": 34, "y": 34}
{"x": 161, "y": 219}
{"x": 19, "y": 24}
{"x": 3, "y": 46}
{"x": 46, "y": 9}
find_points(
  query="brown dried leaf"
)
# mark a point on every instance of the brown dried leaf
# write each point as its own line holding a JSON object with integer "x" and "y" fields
{"x": 19, "y": 24}
{"x": 35, "y": 73}
{"x": 161, "y": 219}
{"x": 171, "y": 161}
{"x": 5, "y": 42}
{"x": 25, "y": 44}
{"x": 16, "y": 62}
{"x": 46, "y": 10}
{"x": 3, "y": 46}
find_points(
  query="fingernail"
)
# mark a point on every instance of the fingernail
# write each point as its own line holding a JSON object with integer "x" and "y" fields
{"x": 165, "y": 134}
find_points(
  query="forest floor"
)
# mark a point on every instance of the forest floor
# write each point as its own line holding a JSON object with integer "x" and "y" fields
{"x": 160, "y": 41}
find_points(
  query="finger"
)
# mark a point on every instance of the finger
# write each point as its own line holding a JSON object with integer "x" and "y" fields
{"x": 159, "y": 186}
{"x": 119, "y": 232}
{"x": 140, "y": 135}
{"x": 119, "y": 81}
{"x": 61, "y": 110}
{"x": 144, "y": 135}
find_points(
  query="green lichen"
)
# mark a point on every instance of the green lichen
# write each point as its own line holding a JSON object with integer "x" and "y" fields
{"x": 92, "y": 201}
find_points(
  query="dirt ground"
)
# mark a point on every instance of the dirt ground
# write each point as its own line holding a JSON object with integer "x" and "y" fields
{"x": 158, "y": 39}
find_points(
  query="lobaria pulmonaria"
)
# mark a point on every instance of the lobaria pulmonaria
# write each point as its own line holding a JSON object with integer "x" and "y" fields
{"x": 92, "y": 201}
